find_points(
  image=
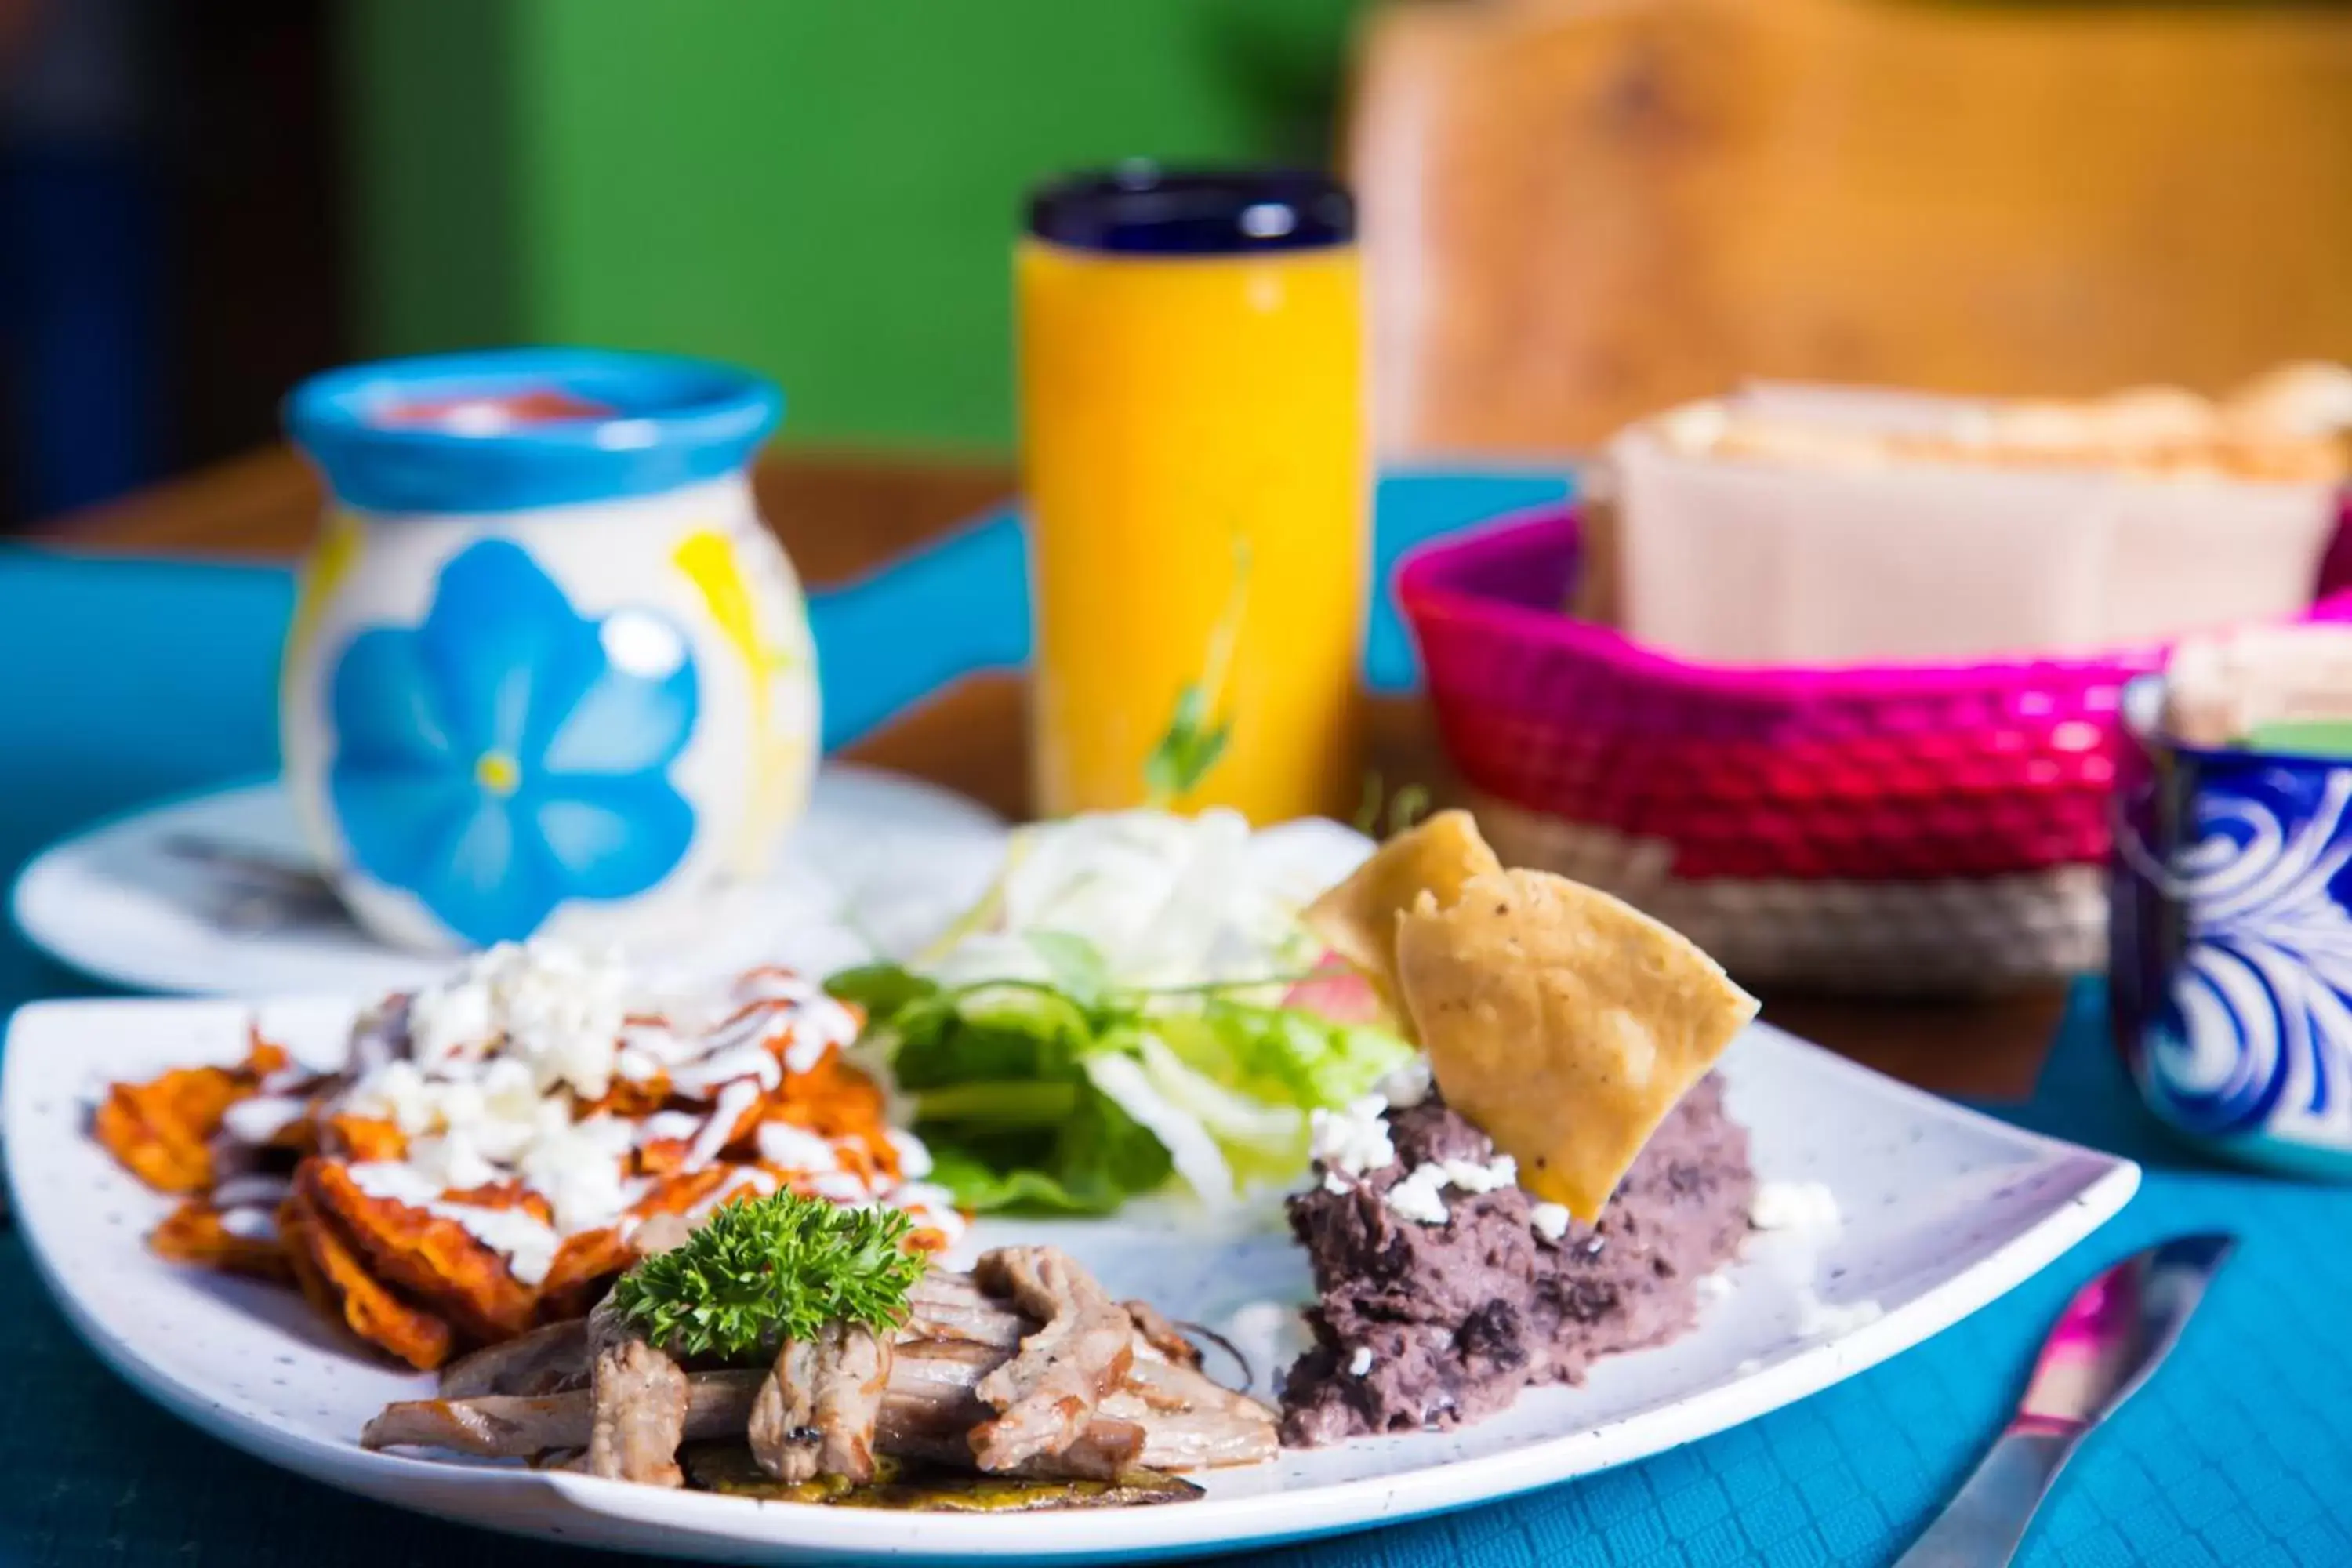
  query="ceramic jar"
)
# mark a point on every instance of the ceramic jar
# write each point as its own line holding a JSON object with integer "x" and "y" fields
{"x": 2230, "y": 957}
{"x": 548, "y": 672}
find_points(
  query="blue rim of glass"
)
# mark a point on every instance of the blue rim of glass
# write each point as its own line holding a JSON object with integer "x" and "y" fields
{"x": 659, "y": 422}
{"x": 1142, "y": 209}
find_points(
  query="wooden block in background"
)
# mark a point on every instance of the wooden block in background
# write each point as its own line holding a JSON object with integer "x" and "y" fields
{"x": 1578, "y": 211}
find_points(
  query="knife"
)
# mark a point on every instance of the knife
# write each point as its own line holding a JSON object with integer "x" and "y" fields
{"x": 2113, "y": 1334}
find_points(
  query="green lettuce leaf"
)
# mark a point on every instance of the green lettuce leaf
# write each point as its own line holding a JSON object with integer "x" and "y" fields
{"x": 1093, "y": 1161}
{"x": 993, "y": 1033}
{"x": 1071, "y": 1098}
{"x": 1280, "y": 1055}
{"x": 883, "y": 990}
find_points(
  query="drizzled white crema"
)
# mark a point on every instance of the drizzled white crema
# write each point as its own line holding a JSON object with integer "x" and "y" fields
{"x": 502, "y": 1060}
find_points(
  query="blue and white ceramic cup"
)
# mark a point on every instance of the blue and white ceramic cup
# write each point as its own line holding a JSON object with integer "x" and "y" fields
{"x": 2230, "y": 962}
{"x": 548, "y": 673}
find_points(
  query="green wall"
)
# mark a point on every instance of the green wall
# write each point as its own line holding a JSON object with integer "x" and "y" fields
{"x": 825, "y": 189}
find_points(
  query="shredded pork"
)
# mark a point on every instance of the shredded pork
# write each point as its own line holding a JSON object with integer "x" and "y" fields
{"x": 820, "y": 1403}
{"x": 544, "y": 1360}
{"x": 1047, "y": 1393}
{"x": 1024, "y": 1368}
{"x": 640, "y": 1401}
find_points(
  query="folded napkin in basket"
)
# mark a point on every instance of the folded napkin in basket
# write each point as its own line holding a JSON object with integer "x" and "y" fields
{"x": 1829, "y": 526}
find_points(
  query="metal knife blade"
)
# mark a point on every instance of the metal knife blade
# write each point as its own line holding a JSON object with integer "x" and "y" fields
{"x": 2113, "y": 1334}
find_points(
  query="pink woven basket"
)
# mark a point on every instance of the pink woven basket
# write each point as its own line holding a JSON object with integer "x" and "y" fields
{"x": 1910, "y": 774}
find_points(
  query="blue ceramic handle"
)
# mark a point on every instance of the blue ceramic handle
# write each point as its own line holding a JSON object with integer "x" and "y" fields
{"x": 886, "y": 642}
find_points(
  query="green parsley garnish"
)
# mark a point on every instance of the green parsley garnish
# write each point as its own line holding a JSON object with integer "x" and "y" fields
{"x": 764, "y": 1271}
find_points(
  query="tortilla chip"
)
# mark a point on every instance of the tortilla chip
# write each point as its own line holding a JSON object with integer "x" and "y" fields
{"x": 831, "y": 1099}
{"x": 1357, "y": 919}
{"x": 160, "y": 1130}
{"x": 197, "y": 1233}
{"x": 585, "y": 1266}
{"x": 434, "y": 1260}
{"x": 340, "y": 1286}
{"x": 363, "y": 1139}
{"x": 1563, "y": 1022}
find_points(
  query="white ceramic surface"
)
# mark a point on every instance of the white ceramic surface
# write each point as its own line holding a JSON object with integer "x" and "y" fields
{"x": 880, "y": 860}
{"x": 1944, "y": 1210}
{"x": 579, "y": 719}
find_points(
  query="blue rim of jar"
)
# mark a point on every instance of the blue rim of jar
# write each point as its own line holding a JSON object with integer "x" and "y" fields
{"x": 1142, "y": 209}
{"x": 2140, "y": 708}
{"x": 673, "y": 421}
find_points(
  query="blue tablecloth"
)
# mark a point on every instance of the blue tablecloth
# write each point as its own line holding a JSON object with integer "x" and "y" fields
{"x": 126, "y": 681}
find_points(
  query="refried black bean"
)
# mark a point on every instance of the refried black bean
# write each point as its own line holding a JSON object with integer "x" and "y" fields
{"x": 1458, "y": 1318}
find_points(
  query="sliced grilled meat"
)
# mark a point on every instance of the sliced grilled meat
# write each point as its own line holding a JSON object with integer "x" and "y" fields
{"x": 1068, "y": 1386}
{"x": 947, "y": 1306}
{"x": 505, "y": 1427}
{"x": 1046, "y": 1394}
{"x": 639, "y": 1397}
{"x": 819, "y": 1405}
{"x": 1160, "y": 1334}
{"x": 544, "y": 1360}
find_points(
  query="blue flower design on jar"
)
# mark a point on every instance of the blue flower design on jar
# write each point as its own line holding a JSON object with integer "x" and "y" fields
{"x": 509, "y": 754}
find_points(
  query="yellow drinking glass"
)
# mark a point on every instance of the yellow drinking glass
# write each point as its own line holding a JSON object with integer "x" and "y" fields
{"x": 1193, "y": 445}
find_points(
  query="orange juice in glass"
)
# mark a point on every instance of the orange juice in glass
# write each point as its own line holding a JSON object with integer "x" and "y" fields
{"x": 1193, "y": 442}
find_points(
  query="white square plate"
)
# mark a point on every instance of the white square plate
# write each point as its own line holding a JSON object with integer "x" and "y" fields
{"x": 1944, "y": 1210}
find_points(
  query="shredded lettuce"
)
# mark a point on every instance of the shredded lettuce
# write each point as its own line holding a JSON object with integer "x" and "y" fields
{"x": 1030, "y": 1100}
{"x": 1110, "y": 1016}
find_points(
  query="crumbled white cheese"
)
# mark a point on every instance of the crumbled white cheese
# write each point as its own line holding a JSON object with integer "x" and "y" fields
{"x": 1361, "y": 1362}
{"x": 1817, "y": 1319}
{"x": 393, "y": 1092}
{"x": 1500, "y": 1172}
{"x": 451, "y": 1163}
{"x": 1336, "y": 1184}
{"x": 496, "y": 1104}
{"x": 555, "y": 1009}
{"x": 1420, "y": 1196}
{"x": 504, "y": 1055}
{"x": 1355, "y": 1140}
{"x": 1807, "y": 1206}
{"x": 576, "y": 1166}
{"x": 1406, "y": 1086}
{"x": 1550, "y": 1220}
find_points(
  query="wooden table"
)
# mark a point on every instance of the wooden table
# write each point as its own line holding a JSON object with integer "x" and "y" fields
{"x": 842, "y": 515}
